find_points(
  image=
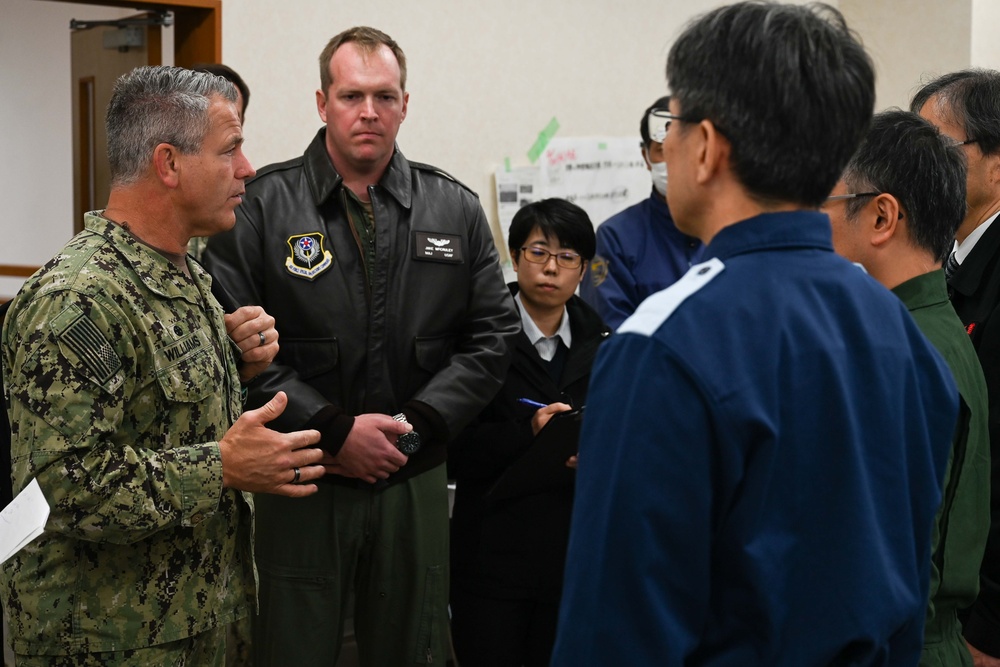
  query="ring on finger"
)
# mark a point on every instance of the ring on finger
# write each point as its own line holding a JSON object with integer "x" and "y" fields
{"x": 263, "y": 339}
{"x": 295, "y": 480}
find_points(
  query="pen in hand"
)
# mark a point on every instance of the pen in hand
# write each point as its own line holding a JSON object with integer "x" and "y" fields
{"x": 531, "y": 403}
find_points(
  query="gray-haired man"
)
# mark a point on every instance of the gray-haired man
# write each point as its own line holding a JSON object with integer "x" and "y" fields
{"x": 124, "y": 398}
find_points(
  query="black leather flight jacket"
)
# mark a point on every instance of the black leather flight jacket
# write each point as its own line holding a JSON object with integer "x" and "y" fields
{"x": 428, "y": 337}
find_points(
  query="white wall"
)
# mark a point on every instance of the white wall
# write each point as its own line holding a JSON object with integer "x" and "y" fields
{"x": 985, "y": 45}
{"x": 484, "y": 79}
{"x": 36, "y": 169}
{"x": 911, "y": 41}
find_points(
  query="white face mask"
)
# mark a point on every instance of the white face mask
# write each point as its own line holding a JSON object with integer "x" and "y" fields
{"x": 658, "y": 171}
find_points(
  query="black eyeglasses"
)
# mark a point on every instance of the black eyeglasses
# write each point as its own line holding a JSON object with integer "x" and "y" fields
{"x": 567, "y": 260}
{"x": 670, "y": 117}
{"x": 853, "y": 195}
{"x": 967, "y": 142}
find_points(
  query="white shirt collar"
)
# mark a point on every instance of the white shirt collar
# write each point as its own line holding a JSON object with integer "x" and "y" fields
{"x": 963, "y": 249}
{"x": 546, "y": 346}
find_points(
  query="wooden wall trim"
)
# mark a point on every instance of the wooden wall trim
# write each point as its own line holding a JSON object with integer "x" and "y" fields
{"x": 168, "y": 5}
{"x": 197, "y": 26}
{"x": 16, "y": 271}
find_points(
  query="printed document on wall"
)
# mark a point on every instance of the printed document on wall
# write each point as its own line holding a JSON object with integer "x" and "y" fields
{"x": 515, "y": 188}
{"x": 601, "y": 175}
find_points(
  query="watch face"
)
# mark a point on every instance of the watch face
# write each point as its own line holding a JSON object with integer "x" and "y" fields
{"x": 408, "y": 443}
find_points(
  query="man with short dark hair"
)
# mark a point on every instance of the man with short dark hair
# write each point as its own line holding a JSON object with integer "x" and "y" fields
{"x": 965, "y": 106}
{"x": 639, "y": 250}
{"x": 233, "y": 77}
{"x": 761, "y": 459}
{"x": 895, "y": 211}
{"x": 384, "y": 279}
{"x": 124, "y": 393}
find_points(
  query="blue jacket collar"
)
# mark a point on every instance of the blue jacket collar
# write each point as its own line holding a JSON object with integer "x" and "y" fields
{"x": 770, "y": 231}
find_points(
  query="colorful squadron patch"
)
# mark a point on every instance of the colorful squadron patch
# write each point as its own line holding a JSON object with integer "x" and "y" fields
{"x": 598, "y": 270}
{"x": 307, "y": 258}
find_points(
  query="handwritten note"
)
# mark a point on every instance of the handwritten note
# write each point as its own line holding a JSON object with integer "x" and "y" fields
{"x": 22, "y": 520}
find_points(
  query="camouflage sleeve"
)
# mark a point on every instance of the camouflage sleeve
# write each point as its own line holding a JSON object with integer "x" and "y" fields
{"x": 91, "y": 424}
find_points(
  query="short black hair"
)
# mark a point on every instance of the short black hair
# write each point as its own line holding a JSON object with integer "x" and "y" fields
{"x": 971, "y": 100}
{"x": 229, "y": 74}
{"x": 907, "y": 157}
{"x": 662, "y": 103}
{"x": 790, "y": 87}
{"x": 557, "y": 218}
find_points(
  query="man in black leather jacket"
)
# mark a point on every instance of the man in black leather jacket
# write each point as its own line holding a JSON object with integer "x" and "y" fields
{"x": 383, "y": 279}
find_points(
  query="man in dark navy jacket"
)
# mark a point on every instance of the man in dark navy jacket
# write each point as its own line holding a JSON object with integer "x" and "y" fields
{"x": 639, "y": 250}
{"x": 765, "y": 440}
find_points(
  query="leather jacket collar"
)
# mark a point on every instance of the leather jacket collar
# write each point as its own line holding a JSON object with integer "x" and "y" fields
{"x": 324, "y": 180}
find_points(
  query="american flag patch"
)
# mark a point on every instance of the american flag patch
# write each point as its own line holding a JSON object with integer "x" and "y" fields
{"x": 84, "y": 338}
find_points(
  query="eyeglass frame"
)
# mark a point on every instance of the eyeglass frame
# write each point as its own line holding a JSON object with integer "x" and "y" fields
{"x": 852, "y": 195}
{"x": 670, "y": 117}
{"x": 549, "y": 255}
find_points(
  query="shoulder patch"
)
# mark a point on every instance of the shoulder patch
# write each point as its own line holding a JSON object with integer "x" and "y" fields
{"x": 598, "y": 270}
{"x": 655, "y": 310}
{"x": 82, "y": 337}
{"x": 307, "y": 258}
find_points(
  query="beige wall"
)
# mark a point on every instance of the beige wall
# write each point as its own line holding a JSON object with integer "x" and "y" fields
{"x": 36, "y": 143}
{"x": 910, "y": 41}
{"x": 985, "y": 42}
{"x": 484, "y": 79}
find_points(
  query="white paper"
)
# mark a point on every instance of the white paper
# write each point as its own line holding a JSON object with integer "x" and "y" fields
{"x": 601, "y": 175}
{"x": 515, "y": 188}
{"x": 22, "y": 520}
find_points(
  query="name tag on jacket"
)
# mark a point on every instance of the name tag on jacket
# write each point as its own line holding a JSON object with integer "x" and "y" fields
{"x": 437, "y": 247}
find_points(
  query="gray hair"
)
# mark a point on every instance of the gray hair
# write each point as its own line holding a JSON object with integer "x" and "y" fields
{"x": 970, "y": 99}
{"x": 156, "y": 105}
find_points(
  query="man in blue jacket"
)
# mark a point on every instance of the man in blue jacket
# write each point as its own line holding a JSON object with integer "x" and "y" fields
{"x": 765, "y": 440}
{"x": 639, "y": 250}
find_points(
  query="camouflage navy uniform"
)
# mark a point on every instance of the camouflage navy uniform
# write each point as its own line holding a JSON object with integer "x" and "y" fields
{"x": 120, "y": 382}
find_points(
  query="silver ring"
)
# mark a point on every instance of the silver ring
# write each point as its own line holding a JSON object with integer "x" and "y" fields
{"x": 263, "y": 340}
{"x": 295, "y": 480}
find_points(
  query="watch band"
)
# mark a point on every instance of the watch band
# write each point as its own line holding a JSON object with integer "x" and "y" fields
{"x": 407, "y": 443}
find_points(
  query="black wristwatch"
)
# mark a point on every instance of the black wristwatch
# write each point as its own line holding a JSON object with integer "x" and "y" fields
{"x": 408, "y": 443}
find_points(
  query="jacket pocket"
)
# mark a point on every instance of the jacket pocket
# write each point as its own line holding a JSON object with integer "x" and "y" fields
{"x": 433, "y": 352}
{"x": 191, "y": 378}
{"x": 309, "y": 356}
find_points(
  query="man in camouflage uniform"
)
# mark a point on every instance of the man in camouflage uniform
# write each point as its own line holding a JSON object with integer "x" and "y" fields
{"x": 124, "y": 397}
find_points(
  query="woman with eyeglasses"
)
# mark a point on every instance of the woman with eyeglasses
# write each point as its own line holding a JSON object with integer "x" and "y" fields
{"x": 509, "y": 533}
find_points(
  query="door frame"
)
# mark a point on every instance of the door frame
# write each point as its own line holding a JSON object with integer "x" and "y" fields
{"x": 197, "y": 25}
{"x": 197, "y": 39}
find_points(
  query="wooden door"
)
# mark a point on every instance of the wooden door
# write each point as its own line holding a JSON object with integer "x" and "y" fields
{"x": 95, "y": 67}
